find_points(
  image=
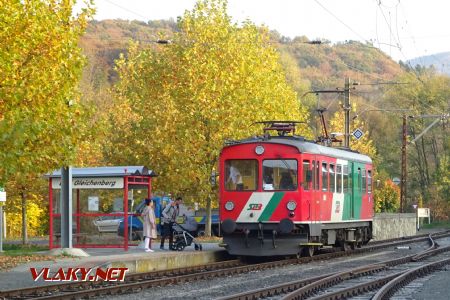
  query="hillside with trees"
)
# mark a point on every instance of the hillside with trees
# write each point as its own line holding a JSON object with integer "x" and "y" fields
{"x": 439, "y": 61}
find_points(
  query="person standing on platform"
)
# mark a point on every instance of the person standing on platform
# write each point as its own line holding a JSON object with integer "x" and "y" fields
{"x": 149, "y": 224}
{"x": 169, "y": 216}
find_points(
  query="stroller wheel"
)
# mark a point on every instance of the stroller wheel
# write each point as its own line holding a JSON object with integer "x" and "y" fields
{"x": 180, "y": 246}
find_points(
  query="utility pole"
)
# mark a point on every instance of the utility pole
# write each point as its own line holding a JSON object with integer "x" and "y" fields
{"x": 346, "y": 107}
{"x": 403, "y": 177}
{"x": 347, "y": 113}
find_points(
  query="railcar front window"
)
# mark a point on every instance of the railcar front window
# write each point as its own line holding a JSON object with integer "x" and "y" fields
{"x": 241, "y": 175}
{"x": 280, "y": 174}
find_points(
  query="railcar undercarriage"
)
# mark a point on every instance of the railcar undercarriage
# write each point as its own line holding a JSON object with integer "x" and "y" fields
{"x": 284, "y": 239}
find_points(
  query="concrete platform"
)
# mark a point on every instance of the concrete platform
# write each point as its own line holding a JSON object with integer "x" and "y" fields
{"x": 135, "y": 259}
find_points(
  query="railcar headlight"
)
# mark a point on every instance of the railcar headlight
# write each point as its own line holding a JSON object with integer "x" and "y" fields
{"x": 259, "y": 150}
{"x": 291, "y": 205}
{"x": 229, "y": 205}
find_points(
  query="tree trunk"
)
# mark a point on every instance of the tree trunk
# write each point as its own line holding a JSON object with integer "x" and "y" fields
{"x": 24, "y": 217}
{"x": 208, "y": 217}
{"x": 435, "y": 149}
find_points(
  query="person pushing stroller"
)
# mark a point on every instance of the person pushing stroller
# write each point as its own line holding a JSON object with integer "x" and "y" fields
{"x": 168, "y": 218}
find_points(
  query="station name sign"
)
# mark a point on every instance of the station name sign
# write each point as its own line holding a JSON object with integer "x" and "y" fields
{"x": 92, "y": 183}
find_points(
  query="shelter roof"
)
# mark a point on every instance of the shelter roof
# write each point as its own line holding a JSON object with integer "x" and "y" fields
{"x": 119, "y": 171}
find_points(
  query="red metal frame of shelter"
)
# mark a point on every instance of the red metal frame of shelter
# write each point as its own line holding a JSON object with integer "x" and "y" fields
{"x": 129, "y": 180}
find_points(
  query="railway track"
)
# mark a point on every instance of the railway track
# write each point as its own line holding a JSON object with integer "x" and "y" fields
{"x": 68, "y": 287}
{"x": 387, "y": 276}
{"x": 140, "y": 281}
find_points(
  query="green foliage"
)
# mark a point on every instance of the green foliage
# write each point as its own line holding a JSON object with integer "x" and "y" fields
{"x": 426, "y": 94}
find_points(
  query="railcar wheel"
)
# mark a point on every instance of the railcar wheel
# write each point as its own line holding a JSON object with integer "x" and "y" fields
{"x": 308, "y": 251}
{"x": 346, "y": 246}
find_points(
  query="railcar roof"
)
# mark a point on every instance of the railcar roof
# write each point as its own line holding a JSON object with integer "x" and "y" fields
{"x": 305, "y": 146}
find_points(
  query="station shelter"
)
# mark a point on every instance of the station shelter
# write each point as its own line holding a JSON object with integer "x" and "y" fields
{"x": 103, "y": 203}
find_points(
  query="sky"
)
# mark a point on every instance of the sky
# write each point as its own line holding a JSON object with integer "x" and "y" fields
{"x": 403, "y": 29}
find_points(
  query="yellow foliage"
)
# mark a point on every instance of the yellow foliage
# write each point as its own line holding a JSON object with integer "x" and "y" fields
{"x": 387, "y": 197}
{"x": 364, "y": 144}
{"x": 178, "y": 105}
{"x": 35, "y": 216}
{"x": 40, "y": 121}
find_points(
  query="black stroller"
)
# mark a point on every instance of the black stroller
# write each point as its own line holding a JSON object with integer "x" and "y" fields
{"x": 182, "y": 238}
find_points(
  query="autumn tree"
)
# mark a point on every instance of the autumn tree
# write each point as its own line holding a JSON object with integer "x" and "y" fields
{"x": 387, "y": 197}
{"x": 178, "y": 103}
{"x": 40, "y": 65}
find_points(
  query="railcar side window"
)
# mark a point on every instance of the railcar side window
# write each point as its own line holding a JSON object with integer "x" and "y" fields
{"x": 364, "y": 182}
{"x": 339, "y": 178}
{"x": 345, "y": 173}
{"x": 350, "y": 179}
{"x": 324, "y": 177}
{"x": 313, "y": 175}
{"x": 280, "y": 174}
{"x": 317, "y": 176}
{"x": 358, "y": 183}
{"x": 369, "y": 181}
{"x": 241, "y": 175}
{"x": 332, "y": 179}
{"x": 306, "y": 175}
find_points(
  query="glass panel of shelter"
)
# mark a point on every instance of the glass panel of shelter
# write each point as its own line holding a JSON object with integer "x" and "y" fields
{"x": 91, "y": 205}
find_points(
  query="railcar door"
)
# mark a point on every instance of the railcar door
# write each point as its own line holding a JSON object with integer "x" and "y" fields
{"x": 316, "y": 189}
{"x": 307, "y": 187}
{"x": 358, "y": 170}
{"x": 348, "y": 191}
{"x": 353, "y": 188}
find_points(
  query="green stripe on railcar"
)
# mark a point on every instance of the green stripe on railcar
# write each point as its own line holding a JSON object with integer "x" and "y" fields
{"x": 352, "y": 192}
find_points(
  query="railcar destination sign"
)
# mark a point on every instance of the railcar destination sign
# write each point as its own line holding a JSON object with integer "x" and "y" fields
{"x": 92, "y": 183}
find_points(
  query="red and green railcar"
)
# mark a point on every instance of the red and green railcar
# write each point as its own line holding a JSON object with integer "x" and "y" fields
{"x": 284, "y": 195}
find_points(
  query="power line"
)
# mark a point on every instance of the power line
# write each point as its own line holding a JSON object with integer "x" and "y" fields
{"x": 342, "y": 22}
{"x": 391, "y": 34}
{"x": 128, "y": 10}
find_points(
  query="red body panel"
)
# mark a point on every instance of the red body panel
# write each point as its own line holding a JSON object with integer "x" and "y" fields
{"x": 312, "y": 205}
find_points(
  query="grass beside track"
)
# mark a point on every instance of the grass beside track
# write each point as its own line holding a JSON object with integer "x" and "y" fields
{"x": 436, "y": 225}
